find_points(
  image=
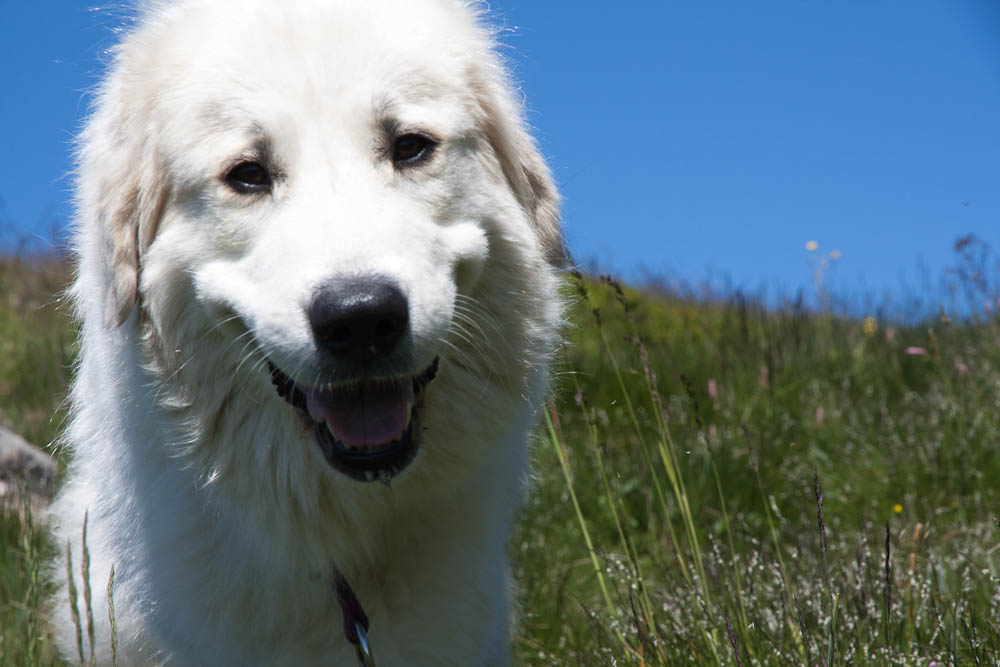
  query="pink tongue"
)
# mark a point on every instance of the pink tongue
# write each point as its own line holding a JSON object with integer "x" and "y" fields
{"x": 365, "y": 415}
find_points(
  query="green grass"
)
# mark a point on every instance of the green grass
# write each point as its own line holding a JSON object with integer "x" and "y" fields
{"x": 715, "y": 482}
{"x": 36, "y": 345}
{"x": 696, "y": 441}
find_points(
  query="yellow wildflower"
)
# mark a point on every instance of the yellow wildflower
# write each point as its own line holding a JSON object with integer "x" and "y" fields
{"x": 870, "y": 326}
{"x": 897, "y": 508}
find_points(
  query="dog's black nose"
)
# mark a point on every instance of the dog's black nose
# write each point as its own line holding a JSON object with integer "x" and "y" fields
{"x": 359, "y": 320}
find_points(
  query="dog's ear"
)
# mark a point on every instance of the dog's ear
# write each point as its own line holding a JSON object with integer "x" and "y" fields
{"x": 122, "y": 233}
{"x": 126, "y": 194}
{"x": 131, "y": 218}
{"x": 526, "y": 172}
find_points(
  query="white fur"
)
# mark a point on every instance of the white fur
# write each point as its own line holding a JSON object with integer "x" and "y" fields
{"x": 203, "y": 488}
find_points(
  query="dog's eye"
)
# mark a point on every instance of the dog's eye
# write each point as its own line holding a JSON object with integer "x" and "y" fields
{"x": 409, "y": 149}
{"x": 249, "y": 178}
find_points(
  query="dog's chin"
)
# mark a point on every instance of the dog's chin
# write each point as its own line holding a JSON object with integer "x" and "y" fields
{"x": 368, "y": 430}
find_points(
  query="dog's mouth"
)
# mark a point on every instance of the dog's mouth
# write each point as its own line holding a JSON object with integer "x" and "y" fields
{"x": 369, "y": 430}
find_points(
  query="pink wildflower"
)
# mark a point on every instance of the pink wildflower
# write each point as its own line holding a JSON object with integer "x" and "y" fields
{"x": 915, "y": 351}
{"x": 713, "y": 390}
{"x": 819, "y": 415}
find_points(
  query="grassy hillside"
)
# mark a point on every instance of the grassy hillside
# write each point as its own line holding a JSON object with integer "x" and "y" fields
{"x": 765, "y": 488}
{"x": 36, "y": 351}
{"x": 715, "y": 482}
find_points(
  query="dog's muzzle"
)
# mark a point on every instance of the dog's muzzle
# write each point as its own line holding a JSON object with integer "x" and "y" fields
{"x": 368, "y": 430}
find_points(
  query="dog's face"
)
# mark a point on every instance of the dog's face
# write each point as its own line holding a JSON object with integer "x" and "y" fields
{"x": 316, "y": 202}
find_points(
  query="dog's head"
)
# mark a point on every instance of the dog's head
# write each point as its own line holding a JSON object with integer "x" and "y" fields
{"x": 327, "y": 208}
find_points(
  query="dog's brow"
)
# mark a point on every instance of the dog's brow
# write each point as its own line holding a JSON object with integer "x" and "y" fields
{"x": 230, "y": 116}
{"x": 384, "y": 107}
{"x": 408, "y": 88}
{"x": 261, "y": 147}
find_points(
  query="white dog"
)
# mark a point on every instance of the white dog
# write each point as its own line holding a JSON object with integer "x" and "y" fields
{"x": 317, "y": 280}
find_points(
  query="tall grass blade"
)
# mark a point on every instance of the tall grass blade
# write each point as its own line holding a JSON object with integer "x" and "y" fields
{"x": 111, "y": 617}
{"x": 74, "y": 607}
{"x": 564, "y": 463}
{"x": 88, "y": 603}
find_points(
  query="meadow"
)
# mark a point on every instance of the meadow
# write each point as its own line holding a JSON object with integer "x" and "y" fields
{"x": 716, "y": 481}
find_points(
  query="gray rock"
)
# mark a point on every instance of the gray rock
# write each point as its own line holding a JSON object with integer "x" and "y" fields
{"x": 25, "y": 467}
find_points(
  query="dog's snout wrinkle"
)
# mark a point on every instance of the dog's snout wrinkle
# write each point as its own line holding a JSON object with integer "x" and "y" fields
{"x": 359, "y": 320}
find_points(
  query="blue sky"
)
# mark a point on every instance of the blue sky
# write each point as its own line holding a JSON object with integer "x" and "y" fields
{"x": 691, "y": 138}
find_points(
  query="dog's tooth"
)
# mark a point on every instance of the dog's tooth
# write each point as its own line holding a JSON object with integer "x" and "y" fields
{"x": 369, "y": 475}
{"x": 385, "y": 477}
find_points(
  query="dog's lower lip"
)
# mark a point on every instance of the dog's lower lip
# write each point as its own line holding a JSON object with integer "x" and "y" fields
{"x": 364, "y": 461}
